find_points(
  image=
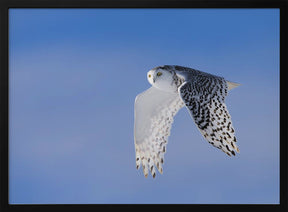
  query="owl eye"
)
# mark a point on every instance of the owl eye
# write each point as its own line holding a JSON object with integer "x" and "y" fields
{"x": 149, "y": 75}
{"x": 159, "y": 74}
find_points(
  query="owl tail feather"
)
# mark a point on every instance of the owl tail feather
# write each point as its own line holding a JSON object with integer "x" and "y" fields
{"x": 232, "y": 85}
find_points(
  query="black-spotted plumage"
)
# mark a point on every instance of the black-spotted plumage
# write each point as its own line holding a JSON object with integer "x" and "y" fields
{"x": 205, "y": 102}
{"x": 173, "y": 87}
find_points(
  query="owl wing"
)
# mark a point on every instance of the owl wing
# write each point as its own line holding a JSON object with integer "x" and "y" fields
{"x": 154, "y": 112}
{"x": 205, "y": 102}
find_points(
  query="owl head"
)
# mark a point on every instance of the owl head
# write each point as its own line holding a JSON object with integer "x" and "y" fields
{"x": 162, "y": 77}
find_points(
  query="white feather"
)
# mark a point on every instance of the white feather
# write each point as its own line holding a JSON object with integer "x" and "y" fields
{"x": 154, "y": 111}
{"x": 156, "y": 107}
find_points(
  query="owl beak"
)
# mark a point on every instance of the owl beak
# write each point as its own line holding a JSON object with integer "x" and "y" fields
{"x": 153, "y": 79}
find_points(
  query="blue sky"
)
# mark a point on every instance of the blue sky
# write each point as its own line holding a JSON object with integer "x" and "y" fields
{"x": 74, "y": 75}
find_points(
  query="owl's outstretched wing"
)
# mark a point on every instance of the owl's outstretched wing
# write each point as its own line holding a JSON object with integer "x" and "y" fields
{"x": 205, "y": 102}
{"x": 154, "y": 112}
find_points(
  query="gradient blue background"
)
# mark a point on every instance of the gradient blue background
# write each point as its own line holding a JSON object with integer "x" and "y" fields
{"x": 74, "y": 75}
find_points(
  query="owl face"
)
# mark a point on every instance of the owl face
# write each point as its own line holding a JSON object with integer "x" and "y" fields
{"x": 162, "y": 79}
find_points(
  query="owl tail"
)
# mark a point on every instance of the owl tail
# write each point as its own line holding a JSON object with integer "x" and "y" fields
{"x": 232, "y": 85}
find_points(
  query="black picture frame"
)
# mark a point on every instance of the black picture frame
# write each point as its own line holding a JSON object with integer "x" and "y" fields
{"x": 5, "y": 5}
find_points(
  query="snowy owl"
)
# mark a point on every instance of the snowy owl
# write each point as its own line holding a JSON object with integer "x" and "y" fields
{"x": 173, "y": 87}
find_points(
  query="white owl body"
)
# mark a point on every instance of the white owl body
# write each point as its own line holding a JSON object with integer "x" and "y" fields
{"x": 174, "y": 87}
